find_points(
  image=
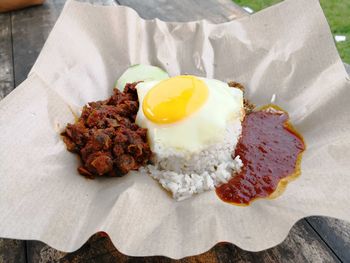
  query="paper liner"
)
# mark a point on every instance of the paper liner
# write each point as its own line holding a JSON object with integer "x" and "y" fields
{"x": 286, "y": 50}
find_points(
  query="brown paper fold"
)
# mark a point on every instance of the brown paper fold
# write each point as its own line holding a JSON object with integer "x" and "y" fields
{"x": 285, "y": 50}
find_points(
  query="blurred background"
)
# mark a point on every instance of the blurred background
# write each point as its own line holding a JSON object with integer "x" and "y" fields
{"x": 336, "y": 11}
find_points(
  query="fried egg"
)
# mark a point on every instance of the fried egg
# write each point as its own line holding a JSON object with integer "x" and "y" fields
{"x": 193, "y": 127}
{"x": 186, "y": 114}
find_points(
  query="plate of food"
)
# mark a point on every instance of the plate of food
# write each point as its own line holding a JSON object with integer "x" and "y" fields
{"x": 178, "y": 137}
{"x": 191, "y": 134}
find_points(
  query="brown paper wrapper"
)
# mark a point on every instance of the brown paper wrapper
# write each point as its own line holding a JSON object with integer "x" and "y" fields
{"x": 286, "y": 50}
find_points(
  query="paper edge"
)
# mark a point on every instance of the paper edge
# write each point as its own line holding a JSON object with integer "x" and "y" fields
{"x": 177, "y": 256}
{"x": 170, "y": 255}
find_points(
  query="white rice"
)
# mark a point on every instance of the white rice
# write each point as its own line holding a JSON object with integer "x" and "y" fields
{"x": 185, "y": 175}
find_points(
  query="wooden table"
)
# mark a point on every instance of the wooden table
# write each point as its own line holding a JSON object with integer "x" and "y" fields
{"x": 22, "y": 35}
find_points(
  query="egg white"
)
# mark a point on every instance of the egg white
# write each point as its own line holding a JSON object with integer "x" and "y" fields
{"x": 198, "y": 131}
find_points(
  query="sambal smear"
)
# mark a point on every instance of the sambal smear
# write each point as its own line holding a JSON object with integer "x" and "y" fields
{"x": 271, "y": 150}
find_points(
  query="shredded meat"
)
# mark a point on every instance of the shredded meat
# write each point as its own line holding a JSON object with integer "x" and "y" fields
{"x": 107, "y": 138}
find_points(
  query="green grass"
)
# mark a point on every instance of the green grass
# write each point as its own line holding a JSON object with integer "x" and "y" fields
{"x": 336, "y": 11}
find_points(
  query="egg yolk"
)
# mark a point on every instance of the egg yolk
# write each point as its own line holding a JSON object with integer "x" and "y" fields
{"x": 174, "y": 99}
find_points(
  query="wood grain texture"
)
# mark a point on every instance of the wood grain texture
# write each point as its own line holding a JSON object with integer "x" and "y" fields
{"x": 336, "y": 233}
{"x": 216, "y": 11}
{"x": 12, "y": 250}
{"x": 301, "y": 245}
{"x": 37, "y": 251}
{"x": 30, "y": 29}
{"x": 6, "y": 63}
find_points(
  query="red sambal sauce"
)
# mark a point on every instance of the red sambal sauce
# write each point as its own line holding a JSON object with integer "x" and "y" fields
{"x": 270, "y": 149}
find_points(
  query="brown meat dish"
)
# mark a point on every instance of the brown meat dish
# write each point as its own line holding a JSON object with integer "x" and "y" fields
{"x": 107, "y": 138}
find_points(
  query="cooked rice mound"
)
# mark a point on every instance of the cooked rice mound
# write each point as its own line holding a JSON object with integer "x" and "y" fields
{"x": 184, "y": 175}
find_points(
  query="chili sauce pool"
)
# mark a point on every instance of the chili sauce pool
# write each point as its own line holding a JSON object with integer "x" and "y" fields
{"x": 270, "y": 149}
